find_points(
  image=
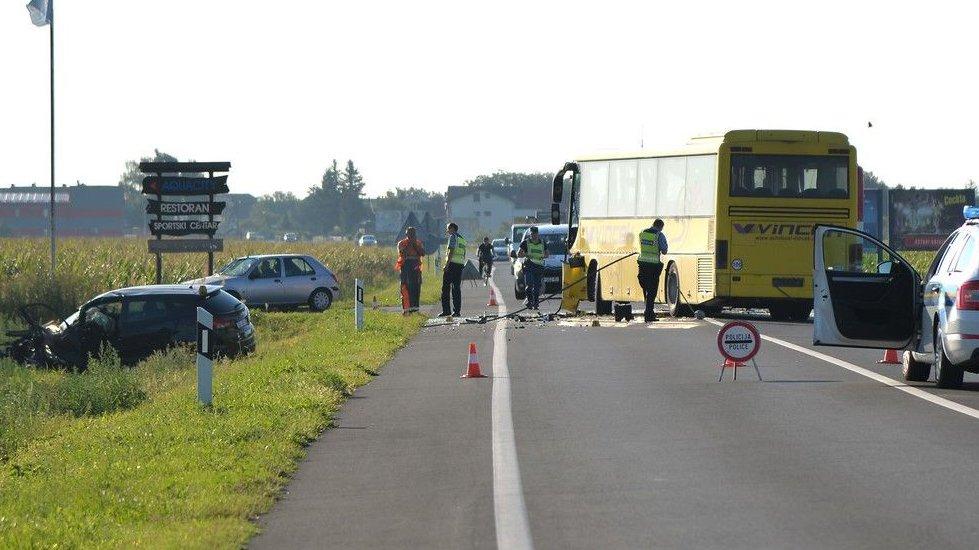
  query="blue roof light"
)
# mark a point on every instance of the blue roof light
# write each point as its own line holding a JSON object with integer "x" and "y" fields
{"x": 970, "y": 212}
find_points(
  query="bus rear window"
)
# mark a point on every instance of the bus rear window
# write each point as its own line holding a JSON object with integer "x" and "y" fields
{"x": 790, "y": 176}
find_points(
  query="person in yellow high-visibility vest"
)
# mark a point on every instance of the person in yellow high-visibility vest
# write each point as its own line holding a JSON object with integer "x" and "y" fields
{"x": 652, "y": 245}
{"x": 455, "y": 260}
{"x": 533, "y": 250}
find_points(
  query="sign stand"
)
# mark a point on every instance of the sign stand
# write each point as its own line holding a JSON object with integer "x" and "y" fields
{"x": 205, "y": 370}
{"x": 738, "y": 342}
{"x": 359, "y": 304}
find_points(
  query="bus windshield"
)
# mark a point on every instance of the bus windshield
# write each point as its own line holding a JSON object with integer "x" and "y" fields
{"x": 790, "y": 176}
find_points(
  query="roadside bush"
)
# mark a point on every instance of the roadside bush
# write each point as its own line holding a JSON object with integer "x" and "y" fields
{"x": 106, "y": 386}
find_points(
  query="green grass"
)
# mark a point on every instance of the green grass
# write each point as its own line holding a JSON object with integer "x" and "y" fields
{"x": 126, "y": 458}
{"x": 920, "y": 259}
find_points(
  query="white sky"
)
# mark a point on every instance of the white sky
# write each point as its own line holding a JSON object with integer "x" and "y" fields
{"x": 430, "y": 94}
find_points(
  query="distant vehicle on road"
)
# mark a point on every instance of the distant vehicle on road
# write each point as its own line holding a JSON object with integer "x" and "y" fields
{"x": 867, "y": 295}
{"x": 555, "y": 241}
{"x": 278, "y": 280}
{"x": 290, "y": 237}
{"x": 367, "y": 240}
{"x": 516, "y": 234}
{"x": 255, "y": 236}
{"x": 500, "y": 249}
{"x": 135, "y": 321}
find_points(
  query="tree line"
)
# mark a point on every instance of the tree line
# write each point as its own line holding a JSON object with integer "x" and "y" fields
{"x": 335, "y": 207}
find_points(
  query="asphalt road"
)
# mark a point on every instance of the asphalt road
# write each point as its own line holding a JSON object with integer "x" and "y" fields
{"x": 624, "y": 439}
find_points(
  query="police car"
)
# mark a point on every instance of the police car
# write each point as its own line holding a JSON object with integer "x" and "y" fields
{"x": 866, "y": 295}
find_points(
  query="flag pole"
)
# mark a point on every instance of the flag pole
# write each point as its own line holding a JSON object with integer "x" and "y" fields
{"x": 51, "y": 29}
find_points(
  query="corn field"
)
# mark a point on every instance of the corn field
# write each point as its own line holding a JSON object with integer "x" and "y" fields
{"x": 88, "y": 267}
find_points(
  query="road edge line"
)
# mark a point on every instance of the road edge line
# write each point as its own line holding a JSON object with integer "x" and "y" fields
{"x": 509, "y": 509}
{"x": 910, "y": 390}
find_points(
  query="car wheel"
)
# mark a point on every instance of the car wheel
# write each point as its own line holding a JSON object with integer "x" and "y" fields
{"x": 602, "y": 307}
{"x": 320, "y": 300}
{"x": 673, "y": 296}
{"x": 947, "y": 375}
{"x": 914, "y": 371}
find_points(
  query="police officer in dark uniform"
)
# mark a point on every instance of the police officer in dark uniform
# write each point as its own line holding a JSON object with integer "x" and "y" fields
{"x": 652, "y": 244}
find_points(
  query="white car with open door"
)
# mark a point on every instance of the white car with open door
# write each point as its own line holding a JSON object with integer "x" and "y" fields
{"x": 866, "y": 295}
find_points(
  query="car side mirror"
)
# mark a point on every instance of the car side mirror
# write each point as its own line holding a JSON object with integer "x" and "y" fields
{"x": 885, "y": 268}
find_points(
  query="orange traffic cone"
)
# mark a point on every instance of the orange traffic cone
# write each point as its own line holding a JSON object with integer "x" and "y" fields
{"x": 890, "y": 358}
{"x": 492, "y": 300}
{"x": 472, "y": 371}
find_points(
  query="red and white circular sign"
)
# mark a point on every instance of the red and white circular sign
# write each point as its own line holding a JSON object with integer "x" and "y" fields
{"x": 738, "y": 341}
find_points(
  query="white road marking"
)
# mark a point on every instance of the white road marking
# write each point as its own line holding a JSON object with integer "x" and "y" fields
{"x": 512, "y": 527}
{"x": 911, "y": 390}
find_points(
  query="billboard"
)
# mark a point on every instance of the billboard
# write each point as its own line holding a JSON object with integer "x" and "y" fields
{"x": 873, "y": 212}
{"x": 921, "y": 219}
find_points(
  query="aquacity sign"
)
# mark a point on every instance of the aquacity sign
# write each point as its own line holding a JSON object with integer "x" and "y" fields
{"x": 202, "y": 208}
{"x": 180, "y": 185}
{"x": 183, "y": 227}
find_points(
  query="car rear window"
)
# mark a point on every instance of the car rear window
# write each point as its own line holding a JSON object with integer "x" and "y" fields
{"x": 221, "y": 302}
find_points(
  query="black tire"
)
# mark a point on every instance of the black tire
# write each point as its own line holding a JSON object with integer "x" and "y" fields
{"x": 602, "y": 307}
{"x": 320, "y": 300}
{"x": 947, "y": 375}
{"x": 623, "y": 311}
{"x": 914, "y": 371}
{"x": 671, "y": 291}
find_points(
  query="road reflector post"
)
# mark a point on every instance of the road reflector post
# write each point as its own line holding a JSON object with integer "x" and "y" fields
{"x": 359, "y": 304}
{"x": 738, "y": 342}
{"x": 205, "y": 356}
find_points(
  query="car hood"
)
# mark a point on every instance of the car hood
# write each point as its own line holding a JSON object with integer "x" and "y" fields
{"x": 210, "y": 280}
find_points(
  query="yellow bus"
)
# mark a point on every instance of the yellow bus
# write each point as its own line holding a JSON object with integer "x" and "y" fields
{"x": 738, "y": 210}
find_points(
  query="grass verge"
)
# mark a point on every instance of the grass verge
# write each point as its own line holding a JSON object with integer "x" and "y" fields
{"x": 162, "y": 471}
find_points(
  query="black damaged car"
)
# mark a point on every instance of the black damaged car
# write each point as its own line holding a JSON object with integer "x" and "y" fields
{"x": 136, "y": 321}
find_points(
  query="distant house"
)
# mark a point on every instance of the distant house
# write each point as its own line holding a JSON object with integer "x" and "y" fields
{"x": 80, "y": 211}
{"x": 483, "y": 212}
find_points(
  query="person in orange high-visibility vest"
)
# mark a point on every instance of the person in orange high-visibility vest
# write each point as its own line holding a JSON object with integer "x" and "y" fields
{"x": 410, "y": 253}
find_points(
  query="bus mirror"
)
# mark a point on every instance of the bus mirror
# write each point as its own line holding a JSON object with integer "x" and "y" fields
{"x": 555, "y": 213}
{"x": 557, "y": 189}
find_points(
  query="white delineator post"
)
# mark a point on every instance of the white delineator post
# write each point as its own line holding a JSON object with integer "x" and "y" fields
{"x": 205, "y": 370}
{"x": 359, "y": 304}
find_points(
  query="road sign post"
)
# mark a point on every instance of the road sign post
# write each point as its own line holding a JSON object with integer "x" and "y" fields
{"x": 205, "y": 357}
{"x": 359, "y": 304}
{"x": 738, "y": 342}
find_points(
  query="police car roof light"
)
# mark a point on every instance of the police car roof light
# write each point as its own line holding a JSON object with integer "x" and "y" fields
{"x": 970, "y": 212}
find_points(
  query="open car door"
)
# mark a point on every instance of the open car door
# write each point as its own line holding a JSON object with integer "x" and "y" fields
{"x": 865, "y": 295}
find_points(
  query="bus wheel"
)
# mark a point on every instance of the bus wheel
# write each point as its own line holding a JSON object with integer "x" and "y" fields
{"x": 602, "y": 307}
{"x": 673, "y": 296}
